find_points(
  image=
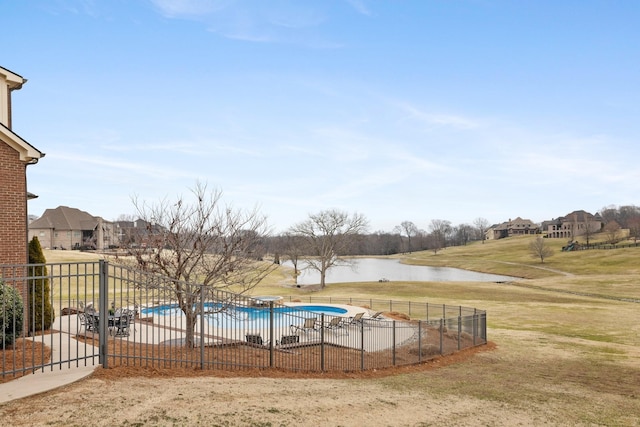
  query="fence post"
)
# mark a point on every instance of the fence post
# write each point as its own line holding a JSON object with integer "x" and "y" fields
{"x": 322, "y": 342}
{"x": 201, "y": 304}
{"x": 474, "y": 326}
{"x": 419, "y": 341}
{"x": 271, "y": 335}
{"x": 393, "y": 335}
{"x": 441, "y": 335}
{"x": 361, "y": 326}
{"x": 459, "y": 330}
{"x": 103, "y": 307}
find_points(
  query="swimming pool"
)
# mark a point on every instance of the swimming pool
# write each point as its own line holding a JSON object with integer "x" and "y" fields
{"x": 243, "y": 316}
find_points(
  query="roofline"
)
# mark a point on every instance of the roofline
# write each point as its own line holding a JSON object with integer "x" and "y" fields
{"x": 28, "y": 153}
{"x": 15, "y": 80}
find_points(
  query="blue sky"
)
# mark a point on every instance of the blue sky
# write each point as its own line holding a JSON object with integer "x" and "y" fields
{"x": 397, "y": 110}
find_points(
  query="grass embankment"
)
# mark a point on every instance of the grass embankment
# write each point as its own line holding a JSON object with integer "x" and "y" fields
{"x": 562, "y": 358}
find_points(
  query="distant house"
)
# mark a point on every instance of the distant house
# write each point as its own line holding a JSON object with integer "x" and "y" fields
{"x": 516, "y": 227}
{"x": 570, "y": 226}
{"x": 71, "y": 228}
{"x": 15, "y": 155}
{"x": 138, "y": 232}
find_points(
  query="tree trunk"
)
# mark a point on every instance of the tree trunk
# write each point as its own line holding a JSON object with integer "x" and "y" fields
{"x": 190, "y": 330}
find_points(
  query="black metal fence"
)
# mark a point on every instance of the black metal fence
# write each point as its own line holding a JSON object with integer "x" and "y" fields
{"x": 116, "y": 315}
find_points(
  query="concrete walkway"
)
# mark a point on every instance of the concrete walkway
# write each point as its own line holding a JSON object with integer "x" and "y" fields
{"x": 52, "y": 377}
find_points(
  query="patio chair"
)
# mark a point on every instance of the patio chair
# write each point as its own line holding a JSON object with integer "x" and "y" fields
{"x": 82, "y": 319}
{"x": 123, "y": 323}
{"x": 308, "y": 325}
{"x": 89, "y": 320}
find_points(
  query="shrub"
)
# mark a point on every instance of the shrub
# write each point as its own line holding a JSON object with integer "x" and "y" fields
{"x": 40, "y": 307}
{"x": 11, "y": 312}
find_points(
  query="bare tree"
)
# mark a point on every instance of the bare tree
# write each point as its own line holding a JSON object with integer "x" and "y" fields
{"x": 634, "y": 228}
{"x": 202, "y": 246}
{"x": 291, "y": 247}
{"x": 327, "y": 237}
{"x": 540, "y": 249}
{"x": 613, "y": 232}
{"x": 482, "y": 225}
{"x": 461, "y": 234}
{"x": 439, "y": 230}
{"x": 408, "y": 229}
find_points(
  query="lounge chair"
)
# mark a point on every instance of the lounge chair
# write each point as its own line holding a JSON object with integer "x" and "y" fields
{"x": 308, "y": 325}
{"x": 355, "y": 320}
{"x": 337, "y": 323}
{"x": 255, "y": 339}
{"x": 289, "y": 340}
{"x": 375, "y": 316}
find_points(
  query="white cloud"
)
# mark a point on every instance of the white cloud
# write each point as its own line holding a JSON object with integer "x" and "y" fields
{"x": 190, "y": 8}
{"x": 360, "y": 7}
{"x": 433, "y": 120}
{"x": 115, "y": 166}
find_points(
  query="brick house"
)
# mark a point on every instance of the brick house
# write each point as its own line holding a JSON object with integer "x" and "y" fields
{"x": 15, "y": 155}
{"x": 516, "y": 227}
{"x": 71, "y": 228}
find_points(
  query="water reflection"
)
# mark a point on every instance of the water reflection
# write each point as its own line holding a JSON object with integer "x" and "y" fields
{"x": 375, "y": 269}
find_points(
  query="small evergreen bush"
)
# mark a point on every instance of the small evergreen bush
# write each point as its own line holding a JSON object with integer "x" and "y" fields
{"x": 11, "y": 312}
{"x": 40, "y": 307}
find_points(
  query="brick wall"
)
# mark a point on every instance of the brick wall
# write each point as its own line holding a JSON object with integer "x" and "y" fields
{"x": 13, "y": 207}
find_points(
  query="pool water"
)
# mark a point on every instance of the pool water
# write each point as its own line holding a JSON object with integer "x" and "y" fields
{"x": 242, "y": 316}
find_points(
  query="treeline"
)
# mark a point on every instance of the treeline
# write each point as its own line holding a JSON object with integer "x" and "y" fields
{"x": 405, "y": 238}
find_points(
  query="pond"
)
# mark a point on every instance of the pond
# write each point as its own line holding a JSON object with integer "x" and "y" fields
{"x": 380, "y": 269}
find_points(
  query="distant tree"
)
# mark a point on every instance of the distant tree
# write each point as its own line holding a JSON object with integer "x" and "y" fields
{"x": 438, "y": 231}
{"x": 539, "y": 249}
{"x": 613, "y": 232}
{"x": 609, "y": 213}
{"x": 291, "y": 247}
{"x": 41, "y": 313}
{"x": 386, "y": 243}
{"x": 407, "y": 229}
{"x": 203, "y": 246}
{"x": 634, "y": 228}
{"x": 327, "y": 237}
{"x": 462, "y": 234}
{"x": 421, "y": 240}
{"x": 482, "y": 225}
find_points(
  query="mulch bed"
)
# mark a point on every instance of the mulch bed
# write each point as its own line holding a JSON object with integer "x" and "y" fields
{"x": 24, "y": 356}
